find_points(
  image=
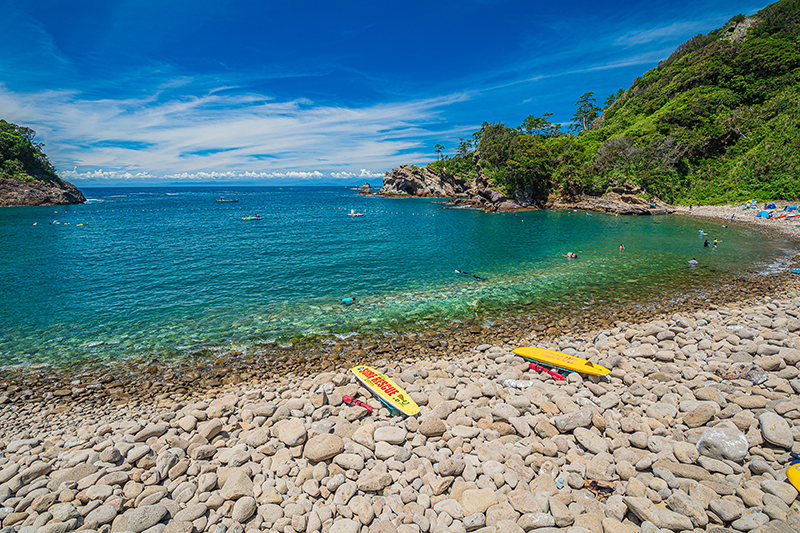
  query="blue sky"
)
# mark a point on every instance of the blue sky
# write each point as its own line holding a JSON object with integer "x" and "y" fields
{"x": 124, "y": 91}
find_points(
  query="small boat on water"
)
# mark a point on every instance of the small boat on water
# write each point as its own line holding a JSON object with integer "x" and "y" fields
{"x": 353, "y": 213}
{"x": 223, "y": 199}
{"x": 251, "y": 217}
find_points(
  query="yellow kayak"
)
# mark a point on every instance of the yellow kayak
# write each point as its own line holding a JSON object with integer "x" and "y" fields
{"x": 385, "y": 389}
{"x": 793, "y": 474}
{"x": 562, "y": 360}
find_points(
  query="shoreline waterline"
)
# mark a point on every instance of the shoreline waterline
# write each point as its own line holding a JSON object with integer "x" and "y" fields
{"x": 414, "y": 333}
{"x": 737, "y": 215}
{"x": 126, "y": 381}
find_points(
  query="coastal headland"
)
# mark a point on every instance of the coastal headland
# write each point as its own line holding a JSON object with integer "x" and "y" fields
{"x": 691, "y": 433}
{"x": 26, "y": 175}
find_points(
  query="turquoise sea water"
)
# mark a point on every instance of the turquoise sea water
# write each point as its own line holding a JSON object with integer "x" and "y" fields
{"x": 171, "y": 272}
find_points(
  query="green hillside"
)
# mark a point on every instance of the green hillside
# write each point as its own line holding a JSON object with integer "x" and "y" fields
{"x": 21, "y": 158}
{"x": 718, "y": 121}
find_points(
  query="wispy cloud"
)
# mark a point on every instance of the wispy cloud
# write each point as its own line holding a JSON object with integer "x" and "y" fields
{"x": 676, "y": 30}
{"x": 222, "y": 136}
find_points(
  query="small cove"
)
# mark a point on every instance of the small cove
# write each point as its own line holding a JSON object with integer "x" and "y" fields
{"x": 169, "y": 272}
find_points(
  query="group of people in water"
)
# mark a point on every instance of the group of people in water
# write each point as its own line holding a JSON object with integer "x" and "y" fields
{"x": 573, "y": 255}
{"x": 706, "y": 244}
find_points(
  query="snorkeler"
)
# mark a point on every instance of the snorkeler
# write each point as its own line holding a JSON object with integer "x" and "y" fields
{"x": 470, "y": 274}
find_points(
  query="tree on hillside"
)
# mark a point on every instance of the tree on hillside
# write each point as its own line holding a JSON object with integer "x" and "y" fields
{"x": 464, "y": 146}
{"x": 20, "y": 156}
{"x": 541, "y": 126}
{"x": 438, "y": 148}
{"x": 587, "y": 110}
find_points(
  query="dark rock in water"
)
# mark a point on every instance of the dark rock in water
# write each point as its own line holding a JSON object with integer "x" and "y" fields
{"x": 14, "y": 192}
{"x": 365, "y": 189}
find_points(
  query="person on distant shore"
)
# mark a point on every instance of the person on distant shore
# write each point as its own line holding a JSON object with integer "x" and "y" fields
{"x": 705, "y": 244}
{"x": 621, "y": 247}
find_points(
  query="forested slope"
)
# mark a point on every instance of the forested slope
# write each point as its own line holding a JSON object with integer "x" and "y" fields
{"x": 717, "y": 121}
{"x": 26, "y": 175}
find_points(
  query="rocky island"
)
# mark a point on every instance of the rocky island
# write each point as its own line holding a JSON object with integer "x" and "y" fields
{"x": 26, "y": 175}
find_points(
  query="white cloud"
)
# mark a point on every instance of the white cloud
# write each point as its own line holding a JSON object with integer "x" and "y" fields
{"x": 221, "y": 136}
{"x": 115, "y": 176}
{"x": 363, "y": 174}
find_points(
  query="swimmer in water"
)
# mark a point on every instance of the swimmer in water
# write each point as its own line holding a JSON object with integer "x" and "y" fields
{"x": 470, "y": 274}
{"x": 621, "y": 247}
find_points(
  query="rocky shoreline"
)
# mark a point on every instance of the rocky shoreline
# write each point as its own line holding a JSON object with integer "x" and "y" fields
{"x": 412, "y": 181}
{"x": 15, "y": 193}
{"x": 691, "y": 433}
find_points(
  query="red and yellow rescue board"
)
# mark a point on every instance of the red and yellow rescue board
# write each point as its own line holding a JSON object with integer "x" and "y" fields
{"x": 385, "y": 389}
{"x": 562, "y": 360}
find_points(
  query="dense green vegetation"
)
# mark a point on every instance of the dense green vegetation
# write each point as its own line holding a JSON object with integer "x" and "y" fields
{"x": 718, "y": 121}
{"x": 21, "y": 157}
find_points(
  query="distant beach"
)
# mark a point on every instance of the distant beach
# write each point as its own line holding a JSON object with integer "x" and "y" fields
{"x": 741, "y": 216}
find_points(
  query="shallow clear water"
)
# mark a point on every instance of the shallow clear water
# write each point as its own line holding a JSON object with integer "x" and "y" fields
{"x": 170, "y": 272}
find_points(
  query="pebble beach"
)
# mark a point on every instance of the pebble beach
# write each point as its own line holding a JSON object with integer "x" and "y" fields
{"x": 692, "y": 431}
{"x": 738, "y": 215}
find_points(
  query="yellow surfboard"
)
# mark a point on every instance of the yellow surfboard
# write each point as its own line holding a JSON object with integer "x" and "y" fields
{"x": 385, "y": 389}
{"x": 562, "y": 360}
{"x": 793, "y": 474}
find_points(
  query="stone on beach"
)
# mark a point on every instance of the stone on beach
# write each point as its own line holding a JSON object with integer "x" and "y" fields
{"x": 323, "y": 447}
{"x": 723, "y": 443}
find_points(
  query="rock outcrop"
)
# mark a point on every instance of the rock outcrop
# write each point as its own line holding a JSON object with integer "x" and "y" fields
{"x": 14, "y": 192}
{"x": 409, "y": 180}
{"x": 621, "y": 200}
{"x": 366, "y": 189}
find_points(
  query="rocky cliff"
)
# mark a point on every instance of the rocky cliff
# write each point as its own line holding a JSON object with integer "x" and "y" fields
{"x": 14, "y": 192}
{"x": 409, "y": 180}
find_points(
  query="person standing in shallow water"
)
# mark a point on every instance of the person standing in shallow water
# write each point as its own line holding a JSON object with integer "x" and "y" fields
{"x": 621, "y": 247}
